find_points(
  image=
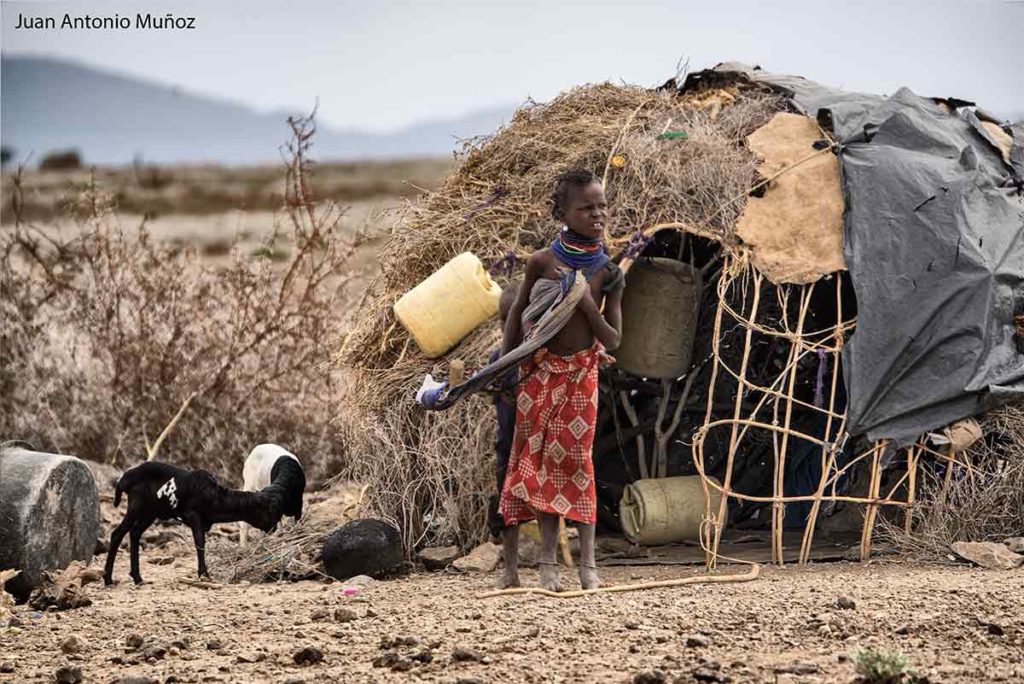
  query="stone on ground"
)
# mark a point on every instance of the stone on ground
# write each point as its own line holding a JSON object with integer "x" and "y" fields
{"x": 483, "y": 558}
{"x": 988, "y": 555}
{"x": 362, "y": 547}
{"x": 1015, "y": 544}
{"x": 438, "y": 557}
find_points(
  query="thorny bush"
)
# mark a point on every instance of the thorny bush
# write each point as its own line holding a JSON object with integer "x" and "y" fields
{"x": 106, "y": 335}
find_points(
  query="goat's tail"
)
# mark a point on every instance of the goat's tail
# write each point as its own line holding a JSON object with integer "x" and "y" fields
{"x": 118, "y": 490}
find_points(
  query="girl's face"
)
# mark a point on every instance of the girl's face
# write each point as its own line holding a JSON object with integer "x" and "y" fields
{"x": 586, "y": 210}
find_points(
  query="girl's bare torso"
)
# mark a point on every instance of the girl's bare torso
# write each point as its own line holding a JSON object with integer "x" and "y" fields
{"x": 577, "y": 334}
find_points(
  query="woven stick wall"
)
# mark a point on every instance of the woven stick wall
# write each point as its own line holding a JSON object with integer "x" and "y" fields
{"x": 775, "y": 401}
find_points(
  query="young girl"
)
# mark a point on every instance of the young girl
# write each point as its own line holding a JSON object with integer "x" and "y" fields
{"x": 550, "y": 471}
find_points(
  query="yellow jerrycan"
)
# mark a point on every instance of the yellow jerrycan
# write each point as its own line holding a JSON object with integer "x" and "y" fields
{"x": 448, "y": 305}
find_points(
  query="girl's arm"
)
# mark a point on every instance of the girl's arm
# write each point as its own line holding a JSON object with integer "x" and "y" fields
{"x": 607, "y": 328}
{"x": 513, "y": 333}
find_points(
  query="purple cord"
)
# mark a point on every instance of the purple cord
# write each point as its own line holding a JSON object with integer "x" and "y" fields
{"x": 637, "y": 244}
{"x": 496, "y": 194}
{"x": 819, "y": 385}
{"x": 505, "y": 264}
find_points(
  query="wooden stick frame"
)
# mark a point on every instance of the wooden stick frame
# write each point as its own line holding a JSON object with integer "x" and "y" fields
{"x": 741, "y": 282}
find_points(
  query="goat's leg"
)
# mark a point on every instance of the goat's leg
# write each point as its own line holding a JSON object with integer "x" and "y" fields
{"x": 116, "y": 537}
{"x": 135, "y": 537}
{"x": 243, "y": 534}
{"x": 199, "y": 537}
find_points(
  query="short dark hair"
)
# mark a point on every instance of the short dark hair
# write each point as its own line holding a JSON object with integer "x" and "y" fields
{"x": 573, "y": 178}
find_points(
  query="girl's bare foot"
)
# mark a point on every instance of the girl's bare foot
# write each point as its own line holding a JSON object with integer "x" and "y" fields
{"x": 588, "y": 577}
{"x": 509, "y": 578}
{"x": 510, "y": 554}
{"x": 549, "y": 576}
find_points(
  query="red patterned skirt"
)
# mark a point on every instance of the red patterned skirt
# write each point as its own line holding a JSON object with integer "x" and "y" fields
{"x": 551, "y": 469}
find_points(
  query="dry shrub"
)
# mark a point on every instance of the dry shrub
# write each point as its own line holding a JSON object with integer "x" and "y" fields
{"x": 293, "y": 550}
{"x": 985, "y": 503}
{"x": 152, "y": 190}
{"x": 106, "y": 334}
{"x": 431, "y": 473}
{"x": 61, "y": 160}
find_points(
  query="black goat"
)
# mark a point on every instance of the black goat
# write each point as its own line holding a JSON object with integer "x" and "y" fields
{"x": 161, "y": 491}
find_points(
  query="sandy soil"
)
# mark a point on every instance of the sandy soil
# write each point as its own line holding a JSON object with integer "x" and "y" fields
{"x": 955, "y": 624}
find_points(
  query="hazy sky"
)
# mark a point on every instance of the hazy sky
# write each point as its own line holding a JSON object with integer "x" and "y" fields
{"x": 381, "y": 65}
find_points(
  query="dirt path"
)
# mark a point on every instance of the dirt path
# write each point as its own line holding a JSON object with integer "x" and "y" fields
{"x": 945, "y": 620}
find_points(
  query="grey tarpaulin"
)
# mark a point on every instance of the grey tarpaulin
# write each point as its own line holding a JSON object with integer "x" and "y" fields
{"x": 1017, "y": 152}
{"x": 934, "y": 243}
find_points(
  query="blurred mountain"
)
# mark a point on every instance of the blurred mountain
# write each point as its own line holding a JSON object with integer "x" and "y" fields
{"x": 50, "y": 104}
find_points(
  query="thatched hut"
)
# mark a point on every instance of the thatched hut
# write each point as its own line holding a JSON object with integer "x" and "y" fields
{"x": 861, "y": 265}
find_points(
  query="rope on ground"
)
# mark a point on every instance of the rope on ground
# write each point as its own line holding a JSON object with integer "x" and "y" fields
{"x": 749, "y": 576}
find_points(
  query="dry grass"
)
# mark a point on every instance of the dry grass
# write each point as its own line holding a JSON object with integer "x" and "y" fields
{"x": 106, "y": 333}
{"x": 983, "y": 504}
{"x": 430, "y": 473}
{"x": 293, "y": 550}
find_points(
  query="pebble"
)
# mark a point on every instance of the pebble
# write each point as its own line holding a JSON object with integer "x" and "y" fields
{"x": 136, "y": 679}
{"x": 650, "y": 677}
{"x": 320, "y": 615}
{"x": 395, "y": 642}
{"x": 799, "y": 668}
{"x": 697, "y": 641}
{"x": 709, "y": 676}
{"x": 294, "y": 680}
{"x": 133, "y": 641}
{"x": 402, "y": 665}
{"x": 460, "y": 655}
{"x": 308, "y": 656}
{"x": 68, "y": 675}
{"x": 253, "y": 657}
{"x": 214, "y": 645}
{"x": 7, "y": 667}
{"x": 386, "y": 659}
{"x": 156, "y": 652}
{"x": 469, "y": 680}
{"x": 845, "y": 603}
{"x": 15, "y": 621}
{"x": 359, "y": 581}
{"x": 344, "y": 615}
{"x": 73, "y": 644}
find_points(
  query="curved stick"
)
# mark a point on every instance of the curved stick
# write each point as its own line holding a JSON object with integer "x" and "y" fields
{"x": 755, "y": 570}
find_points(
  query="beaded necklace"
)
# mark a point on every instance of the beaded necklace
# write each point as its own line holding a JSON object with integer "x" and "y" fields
{"x": 579, "y": 251}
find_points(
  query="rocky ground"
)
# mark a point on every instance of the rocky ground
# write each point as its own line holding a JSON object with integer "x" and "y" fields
{"x": 954, "y": 624}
